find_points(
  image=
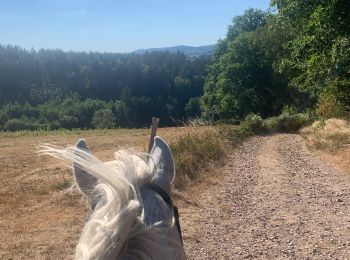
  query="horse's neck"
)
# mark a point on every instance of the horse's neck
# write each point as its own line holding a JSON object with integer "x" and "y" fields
{"x": 164, "y": 245}
{"x": 168, "y": 243}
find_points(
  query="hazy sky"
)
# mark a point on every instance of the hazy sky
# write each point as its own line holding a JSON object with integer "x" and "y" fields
{"x": 115, "y": 25}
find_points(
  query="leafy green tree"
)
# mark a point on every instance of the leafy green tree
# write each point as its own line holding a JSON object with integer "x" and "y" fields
{"x": 317, "y": 57}
{"x": 103, "y": 119}
{"x": 69, "y": 122}
{"x": 192, "y": 108}
{"x": 122, "y": 114}
{"x": 242, "y": 78}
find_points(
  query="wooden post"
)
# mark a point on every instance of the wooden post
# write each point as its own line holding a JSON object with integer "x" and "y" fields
{"x": 154, "y": 126}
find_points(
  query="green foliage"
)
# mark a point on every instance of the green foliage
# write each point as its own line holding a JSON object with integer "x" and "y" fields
{"x": 192, "y": 107}
{"x": 18, "y": 124}
{"x": 289, "y": 110}
{"x": 318, "y": 53}
{"x": 300, "y": 55}
{"x": 235, "y": 135}
{"x": 254, "y": 123}
{"x": 290, "y": 123}
{"x": 47, "y": 85}
{"x": 328, "y": 107}
{"x": 3, "y": 119}
{"x": 103, "y": 119}
{"x": 242, "y": 79}
{"x": 69, "y": 122}
{"x": 122, "y": 114}
{"x": 55, "y": 125}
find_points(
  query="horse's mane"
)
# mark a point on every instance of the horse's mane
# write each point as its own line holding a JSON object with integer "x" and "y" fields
{"x": 116, "y": 226}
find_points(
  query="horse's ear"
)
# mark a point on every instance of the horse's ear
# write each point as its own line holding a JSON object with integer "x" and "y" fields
{"x": 85, "y": 181}
{"x": 163, "y": 159}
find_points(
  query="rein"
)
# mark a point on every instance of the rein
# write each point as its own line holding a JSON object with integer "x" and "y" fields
{"x": 169, "y": 201}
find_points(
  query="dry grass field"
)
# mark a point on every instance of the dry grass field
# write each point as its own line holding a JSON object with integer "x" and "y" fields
{"x": 40, "y": 216}
{"x": 331, "y": 140}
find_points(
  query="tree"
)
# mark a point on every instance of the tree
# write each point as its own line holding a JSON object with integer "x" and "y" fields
{"x": 242, "y": 78}
{"x": 103, "y": 119}
{"x": 192, "y": 108}
{"x": 317, "y": 57}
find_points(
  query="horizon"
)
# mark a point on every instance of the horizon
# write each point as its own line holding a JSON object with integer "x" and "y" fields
{"x": 115, "y": 27}
{"x": 107, "y": 52}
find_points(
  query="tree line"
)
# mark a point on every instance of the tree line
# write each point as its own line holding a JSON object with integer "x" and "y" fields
{"x": 52, "y": 89}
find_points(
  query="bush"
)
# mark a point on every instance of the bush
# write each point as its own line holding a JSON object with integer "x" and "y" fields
{"x": 254, "y": 123}
{"x": 195, "y": 151}
{"x": 192, "y": 108}
{"x": 17, "y": 125}
{"x": 3, "y": 120}
{"x": 69, "y": 122}
{"x": 329, "y": 107}
{"x": 103, "y": 119}
{"x": 289, "y": 110}
{"x": 270, "y": 125}
{"x": 290, "y": 123}
{"x": 236, "y": 134}
{"x": 55, "y": 125}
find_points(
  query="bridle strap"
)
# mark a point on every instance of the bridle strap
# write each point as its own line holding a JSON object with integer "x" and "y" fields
{"x": 165, "y": 196}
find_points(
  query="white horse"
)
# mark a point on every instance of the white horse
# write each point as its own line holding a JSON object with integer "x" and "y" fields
{"x": 132, "y": 212}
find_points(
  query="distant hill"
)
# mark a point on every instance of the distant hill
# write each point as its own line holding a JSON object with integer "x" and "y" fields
{"x": 187, "y": 50}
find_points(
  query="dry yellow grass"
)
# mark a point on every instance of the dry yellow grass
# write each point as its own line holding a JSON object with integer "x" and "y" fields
{"x": 39, "y": 216}
{"x": 332, "y": 138}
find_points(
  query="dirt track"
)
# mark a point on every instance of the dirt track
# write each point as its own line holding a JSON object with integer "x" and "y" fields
{"x": 273, "y": 200}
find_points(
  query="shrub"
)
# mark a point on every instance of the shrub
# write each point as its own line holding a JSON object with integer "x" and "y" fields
{"x": 270, "y": 124}
{"x": 69, "y": 122}
{"x": 328, "y": 106}
{"x": 17, "y": 125}
{"x": 103, "y": 119}
{"x": 55, "y": 125}
{"x": 290, "y": 123}
{"x": 286, "y": 123}
{"x": 195, "y": 151}
{"x": 289, "y": 110}
{"x": 254, "y": 123}
{"x": 3, "y": 120}
{"x": 192, "y": 108}
{"x": 235, "y": 134}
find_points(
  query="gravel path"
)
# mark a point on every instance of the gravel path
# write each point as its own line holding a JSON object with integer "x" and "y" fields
{"x": 273, "y": 200}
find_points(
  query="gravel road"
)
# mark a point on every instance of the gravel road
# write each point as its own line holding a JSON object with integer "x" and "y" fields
{"x": 273, "y": 200}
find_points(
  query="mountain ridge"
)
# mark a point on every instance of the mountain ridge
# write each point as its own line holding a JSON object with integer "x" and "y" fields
{"x": 187, "y": 50}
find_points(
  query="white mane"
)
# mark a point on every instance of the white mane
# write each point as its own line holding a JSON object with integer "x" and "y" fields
{"x": 116, "y": 227}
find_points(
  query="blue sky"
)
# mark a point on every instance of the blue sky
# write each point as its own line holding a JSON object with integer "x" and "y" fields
{"x": 117, "y": 26}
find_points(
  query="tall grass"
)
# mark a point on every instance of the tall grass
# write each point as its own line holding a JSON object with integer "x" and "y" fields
{"x": 330, "y": 135}
{"x": 195, "y": 152}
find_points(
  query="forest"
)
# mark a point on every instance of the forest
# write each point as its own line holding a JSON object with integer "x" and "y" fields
{"x": 294, "y": 56}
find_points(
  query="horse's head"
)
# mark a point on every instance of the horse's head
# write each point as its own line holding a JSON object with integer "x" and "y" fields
{"x": 132, "y": 212}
